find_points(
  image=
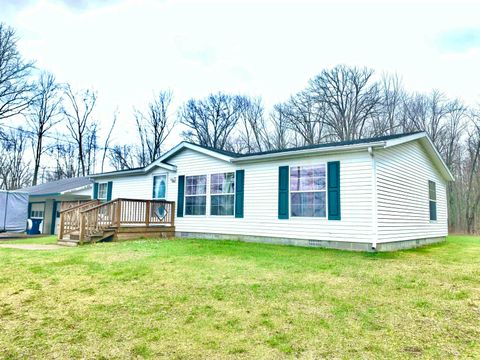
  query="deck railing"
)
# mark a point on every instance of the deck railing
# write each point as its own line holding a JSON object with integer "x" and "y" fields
{"x": 70, "y": 217}
{"x": 125, "y": 212}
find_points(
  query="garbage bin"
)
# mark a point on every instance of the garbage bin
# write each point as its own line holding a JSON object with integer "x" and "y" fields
{"x": 36, "y": 227}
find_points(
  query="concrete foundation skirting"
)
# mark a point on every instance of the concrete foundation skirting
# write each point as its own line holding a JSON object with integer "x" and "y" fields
{"x": 340, "y": 245}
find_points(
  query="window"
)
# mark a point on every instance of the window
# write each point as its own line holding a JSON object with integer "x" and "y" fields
{"x": 432, "y": 197}
{"x": 308, "y": 191}
{"x": 222, "y": 194}
{"x": 196, "y": 195}
{"x": 102, "y": 191}
{"x": 37, "y": 211}
{"x": 159, "y": 186}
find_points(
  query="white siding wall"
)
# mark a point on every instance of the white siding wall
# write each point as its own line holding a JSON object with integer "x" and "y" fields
{"x": 136, "y": 187}
{"x": 261, "y": 199}
{"x": 402, "y": 185}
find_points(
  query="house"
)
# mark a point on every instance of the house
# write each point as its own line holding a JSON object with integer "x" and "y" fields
{"x": 382, "y": 193}
{"x": 47, "y": 200}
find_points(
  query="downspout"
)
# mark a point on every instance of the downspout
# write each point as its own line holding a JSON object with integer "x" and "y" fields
{"x": 374, "y": 199}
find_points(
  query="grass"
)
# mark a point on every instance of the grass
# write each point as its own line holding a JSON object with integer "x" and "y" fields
{"x": 222, "y": 299}
{"x": 32, "y": 240}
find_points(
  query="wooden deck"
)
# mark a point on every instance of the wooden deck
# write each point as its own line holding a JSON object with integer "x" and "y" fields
{"x": 119, "y": 219}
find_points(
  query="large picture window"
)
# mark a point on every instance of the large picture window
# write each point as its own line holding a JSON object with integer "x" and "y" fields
{"x": 196, "y": 195}
{"x": 102, "y": 191}
{"x": 159, "y": 186}
{"x": 222, "y": 194}
{"x": 432, "y": 197}
{"x": 308, "y": 191}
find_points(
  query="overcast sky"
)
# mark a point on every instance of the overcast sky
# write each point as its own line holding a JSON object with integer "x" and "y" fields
{"x": 128, "y": 49}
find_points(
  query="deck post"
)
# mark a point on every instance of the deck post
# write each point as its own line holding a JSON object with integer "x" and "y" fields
{"x": 61, "y": 230}
{"x": 147, "y": 213}
{"x": 172, "y": 217}
{"x": 119, "y": 212}
{"x": 81, "y": 234}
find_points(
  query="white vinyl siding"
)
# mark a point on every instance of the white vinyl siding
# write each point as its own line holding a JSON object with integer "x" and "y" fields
{"x": 261, "y": 199}
{"x": 403, "y": 173}
{"x": 138, "y": 186}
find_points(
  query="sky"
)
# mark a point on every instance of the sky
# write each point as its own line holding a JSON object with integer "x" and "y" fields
{"x": 127, "y": 50}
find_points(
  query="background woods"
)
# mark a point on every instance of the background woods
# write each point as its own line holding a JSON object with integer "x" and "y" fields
{"x": 49, "y": 130}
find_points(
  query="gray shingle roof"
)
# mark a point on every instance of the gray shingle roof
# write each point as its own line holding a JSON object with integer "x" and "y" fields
{"x": 59, "y": 186}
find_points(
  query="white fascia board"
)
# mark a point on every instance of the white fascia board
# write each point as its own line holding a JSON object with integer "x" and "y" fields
{"x": 133, "y": 172}
{"x": 76, "y": 189}
{"x": 405, "y": 139}
{"x": 186, "y": 145}
{"x": 309, "y": 152}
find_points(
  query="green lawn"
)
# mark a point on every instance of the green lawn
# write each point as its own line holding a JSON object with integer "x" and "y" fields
{"x": 32, "y": 240}
{"x": 212, "y": 299}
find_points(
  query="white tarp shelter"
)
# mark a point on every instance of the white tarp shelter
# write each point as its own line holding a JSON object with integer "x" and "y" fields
{"x": 13, "y": 211}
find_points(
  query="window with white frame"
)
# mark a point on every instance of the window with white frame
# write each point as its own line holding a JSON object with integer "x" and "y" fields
{"x": 222, "y": 194}
{"x": 102, "y": 191}
{"x": 196, "y": 195}
{"x": 160, "y": 186}
{"x": 308, "y": 191}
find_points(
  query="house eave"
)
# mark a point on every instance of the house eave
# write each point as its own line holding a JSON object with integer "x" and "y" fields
{"x": 132, "y": 172}
{"x": 308, "y": 152}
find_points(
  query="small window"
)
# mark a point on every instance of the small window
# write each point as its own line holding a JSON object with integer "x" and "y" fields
{"x": 308, "y": 191}
{"x": 196, "y": 195}
{"x": 222, "y": 194}
{"x": 102, "y": 191}
{"x": 432, "y": 197}
{"x": 37, "y": 211}
{"x": 159, "y": 186}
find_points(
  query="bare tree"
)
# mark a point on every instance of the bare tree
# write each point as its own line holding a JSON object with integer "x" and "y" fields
{"x": 64, "y": 155}
{"x": 280, "y": 135}
{"x": 305, "y": 116}
{"x": 427, "y": 113}
{"x": 211, "y": 121}
{"x": 43, "y": 115}
{"x": 121, "y": 157}
{"x": 349, "y": 98}
{"x": 78, "y": 111}
{"x": 15, "y": 89}
{"x": 253, "y": 133}
{"x": 14, "y": 168}
{"x": 388, "y": 120}
{"x": 154, "y": 127}
{"x": 106, "y": 147}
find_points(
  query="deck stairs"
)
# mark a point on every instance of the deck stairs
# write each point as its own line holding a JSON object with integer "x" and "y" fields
{"x": 119, "y": 219}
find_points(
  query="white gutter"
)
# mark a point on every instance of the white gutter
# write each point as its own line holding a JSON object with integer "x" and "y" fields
{"x": 132, "y": 172}
{"x": 328, "y": 149}
{"x": 76, "y": 189}
{"x": 374, "y": 199}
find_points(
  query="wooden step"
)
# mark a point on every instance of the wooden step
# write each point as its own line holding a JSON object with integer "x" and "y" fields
{"x": 67, "y": 242}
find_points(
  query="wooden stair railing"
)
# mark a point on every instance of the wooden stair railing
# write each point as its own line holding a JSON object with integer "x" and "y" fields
{"x": 125, "y": 212}
{"x": 70, "y": 218}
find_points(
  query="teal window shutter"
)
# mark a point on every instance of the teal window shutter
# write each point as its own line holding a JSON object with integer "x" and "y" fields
{"x": 283, "y": 192}
{"x": 239, "y": 192}
{"x": 95, "y": 191}
{"x": 181, "y": 195}
{"x": 109, "y": 190}
{"x": 333, "y": 174}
